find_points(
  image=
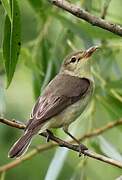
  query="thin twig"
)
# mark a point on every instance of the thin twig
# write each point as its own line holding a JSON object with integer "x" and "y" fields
{"x": 61, "y": 143}
{"x": 101, "y": 130}
{"x": 82, "y": 14}
{"x": 96, "y": 132}
{"x": 32, "y": 153}
{"x": 12, "y": 123}
{"x": 86, "y": 153}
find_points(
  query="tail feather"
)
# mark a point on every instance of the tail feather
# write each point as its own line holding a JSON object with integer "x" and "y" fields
{"x": 21, "y": 146}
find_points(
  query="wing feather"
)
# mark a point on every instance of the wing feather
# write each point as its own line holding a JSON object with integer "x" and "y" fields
{"x": 57, "y": 97}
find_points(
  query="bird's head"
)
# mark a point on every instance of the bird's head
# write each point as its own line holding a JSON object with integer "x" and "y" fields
{"x": 77, "y": 63}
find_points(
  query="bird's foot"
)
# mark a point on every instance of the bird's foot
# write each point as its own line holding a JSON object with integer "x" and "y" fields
{"x": 49, "y": 134}
{"x": 82, "y": 148}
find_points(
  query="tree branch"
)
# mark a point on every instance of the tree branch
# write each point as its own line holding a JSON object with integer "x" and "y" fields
{"x": 96, "y": 132}
{"x": 61, "y": 143}
{"x": 82, "y": 14}
{"x": 12, "y": 123}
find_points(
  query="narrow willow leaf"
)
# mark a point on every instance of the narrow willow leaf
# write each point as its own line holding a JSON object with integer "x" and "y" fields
{"x": 61, "y": 155}
{"x": 7, "y": 7}
{"x": 40, "y": 68}
{"x": 48, "y": 75}
{"x": 111, "y": 104}
{"x": 109, "y": 149}
{"x": 86, "y": 29}
{"x": 12, "y": 41}
{"x": 37, "y": 82}
{"x": 75, "y": 28}
{"x": 39, "y": 7}
{"x": 36, "y": 4}
{"x": 2, "y": 176}
{"x": 115, "y": 84}
{"x": 6, "y": 44}
{"x": 2, "y": 100}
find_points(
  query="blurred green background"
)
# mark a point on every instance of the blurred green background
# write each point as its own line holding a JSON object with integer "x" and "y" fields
{"x": 48, "y": 34}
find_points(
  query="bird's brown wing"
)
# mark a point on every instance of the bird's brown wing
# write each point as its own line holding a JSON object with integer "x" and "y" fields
{"x": 61, "y": 92}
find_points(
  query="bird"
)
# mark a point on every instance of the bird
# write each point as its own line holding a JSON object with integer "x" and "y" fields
{"x": 63, "y": 100}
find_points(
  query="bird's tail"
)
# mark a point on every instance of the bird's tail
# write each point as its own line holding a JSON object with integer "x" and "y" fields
{"x": 21, "y": 146}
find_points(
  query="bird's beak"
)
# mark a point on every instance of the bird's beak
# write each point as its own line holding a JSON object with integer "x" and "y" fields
{"x": 90, "y": 51}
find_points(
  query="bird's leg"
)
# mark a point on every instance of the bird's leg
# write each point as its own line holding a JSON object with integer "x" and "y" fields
{"x": 82, "y": 147}
{"x": 49, "y": 134}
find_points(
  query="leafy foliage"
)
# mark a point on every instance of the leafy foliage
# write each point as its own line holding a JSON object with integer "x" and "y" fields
{"x": 12, "y": 39}
{"x": 46, "y": 35}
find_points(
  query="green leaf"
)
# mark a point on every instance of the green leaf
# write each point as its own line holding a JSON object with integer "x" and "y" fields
{"x": 48, "y": 75}
{"x": 7, "y": 8}
{"x": 12, "y": 41}
{"x": 41, "y": 58}
{"x": 36, "y": 4}
{"x": 40, "y": 6}
{"x": 61, "y": 155}
{"x": 37, "y": 82}
{"x": 6, "y": 44}
{"x": 2, "y": 175}
{"x": 75, "y": 28}
{"x": 117, "y": 84}
{"x": 112, "y": 105}
{"x": 2, "y": 100}
{"x": 85, "y": 29}
{"x": 109, "y": 149}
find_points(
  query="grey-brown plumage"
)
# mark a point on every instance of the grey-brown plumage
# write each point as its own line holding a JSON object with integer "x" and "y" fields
{"x": 57, "y": 97}
{"x": 63, "y": 100}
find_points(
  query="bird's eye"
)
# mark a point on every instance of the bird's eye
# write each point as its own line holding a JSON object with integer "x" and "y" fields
{"x": 73, "y": 59}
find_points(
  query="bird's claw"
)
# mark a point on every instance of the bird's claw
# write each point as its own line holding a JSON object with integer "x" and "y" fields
{"x": 49, "y": 134}
{"x": 82, "y": 148}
